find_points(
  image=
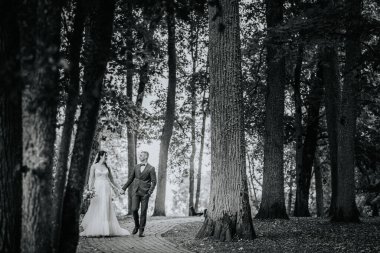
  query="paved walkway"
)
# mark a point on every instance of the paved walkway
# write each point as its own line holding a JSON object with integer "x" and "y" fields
{"x": 153, "y": 242}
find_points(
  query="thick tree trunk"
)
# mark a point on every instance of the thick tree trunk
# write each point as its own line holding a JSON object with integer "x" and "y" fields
{"x": 273, "y": 200}
{"x": 332, "y": 90}
{"x": 130, "y": 72}
{"x": 345, "y": 209}
{"x": 301, "y": 207}
{"x": 331, "y": 84}
{"x": 229, "y": 212}
{"x": 159, "y": 209}
{"x": 97, "y": 49}
{"x": 40, "y": 36}
{"x": 75, "y": 40}
{"x": 318, "y": 186}
{"x": 10, "y": 131}
{"x": 201, "y": 149}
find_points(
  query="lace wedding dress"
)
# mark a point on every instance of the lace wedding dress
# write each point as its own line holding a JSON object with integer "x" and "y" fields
{"x": 100, "y": 218}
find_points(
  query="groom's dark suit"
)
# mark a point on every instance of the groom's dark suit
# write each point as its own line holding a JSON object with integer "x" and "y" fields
{"x": 143, "y": 186}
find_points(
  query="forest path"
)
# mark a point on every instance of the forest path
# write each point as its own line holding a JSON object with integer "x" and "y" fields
{"x": 153, "y": 242}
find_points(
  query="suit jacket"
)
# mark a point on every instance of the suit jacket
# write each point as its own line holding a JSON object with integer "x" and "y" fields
{"x": 145, "y": 180}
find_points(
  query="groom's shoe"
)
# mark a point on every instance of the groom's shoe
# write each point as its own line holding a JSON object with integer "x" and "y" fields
{"x": 141, "y": 232}
{"x": 134, "y": 231}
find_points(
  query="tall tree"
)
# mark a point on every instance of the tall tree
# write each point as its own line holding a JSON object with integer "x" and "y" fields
{"x": 204, "y": 109}
{"x": 10, "y": 130}
{"x": 96, "y": 50}
{"x": 159, "y": 208}
{"x": 40, "y": 36}
{"x": 345, "y": 209}
{"x": 75, "y": 40}
{"x": 301, "y": 207}
{"x": 331, "y": 84}
{"x": 273, "y": 200}
{"x": 297, "y": 115}
{"x": 194, "y": 34}
{"x": 318, "y": 186}
{"x": 229, "y": 214}
{"x": 130, "y": 71}
{"x": 332, "y": 90}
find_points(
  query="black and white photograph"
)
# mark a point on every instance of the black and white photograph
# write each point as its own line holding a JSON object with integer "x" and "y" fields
{"x": 189, "y": 126}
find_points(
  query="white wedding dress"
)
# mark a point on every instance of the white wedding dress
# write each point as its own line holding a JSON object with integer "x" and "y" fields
{"x": 100, "y": 218}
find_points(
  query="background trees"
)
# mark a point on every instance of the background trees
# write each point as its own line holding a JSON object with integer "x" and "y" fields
{"x": 296, "y": 81}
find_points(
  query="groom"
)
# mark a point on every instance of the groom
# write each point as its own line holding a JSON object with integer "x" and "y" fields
{"x": 144, "y": 177}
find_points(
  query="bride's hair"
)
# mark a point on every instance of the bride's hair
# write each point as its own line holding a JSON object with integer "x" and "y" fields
{"x": 100, "y": 154}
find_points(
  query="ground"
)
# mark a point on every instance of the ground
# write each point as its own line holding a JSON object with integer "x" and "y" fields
{"x": 153, "y": 242}
{"x": 294, "y": 235}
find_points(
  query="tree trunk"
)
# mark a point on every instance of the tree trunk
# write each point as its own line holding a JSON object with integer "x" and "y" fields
{"x": 130, "y": 72}
{"x": 193, "y": 90}
{"x": 199, "y": 174}
{"x": 10, "y": 131}
{"x": 298, "y": 114}
{"x": 301, "y": 207}
{"x": 40, "y": 39}
{"x": 97, "y": 49}
{"x": 144, "y": 70}
{"x": 75, "y": 40}
{"x": 331, "y": 84}
{"x": 332, "y": 90}
{"x": 318, "y": 187}
{"x": 159, "y": 209}
{"x": 229, "y": 212}
{"x": 345, "y": 209}
{"x": 273, "y": 201}
{"x": 290, "y": 195}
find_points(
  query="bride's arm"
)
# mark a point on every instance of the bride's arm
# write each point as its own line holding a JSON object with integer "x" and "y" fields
{"x": 91, "y": 178}
{"x": 110, "y": 176}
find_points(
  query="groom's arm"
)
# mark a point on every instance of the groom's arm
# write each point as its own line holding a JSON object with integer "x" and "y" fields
{"x": 130, "y": 180}
{"x": 153, "y": 179}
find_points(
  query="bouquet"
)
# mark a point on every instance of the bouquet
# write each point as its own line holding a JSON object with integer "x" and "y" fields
{"x": 88, "y": 194}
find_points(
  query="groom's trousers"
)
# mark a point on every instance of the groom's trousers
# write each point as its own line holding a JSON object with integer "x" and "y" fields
{"x": 137, "y": 199}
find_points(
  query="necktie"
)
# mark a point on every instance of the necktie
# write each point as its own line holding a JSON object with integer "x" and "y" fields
{"x": 142, "y": 167}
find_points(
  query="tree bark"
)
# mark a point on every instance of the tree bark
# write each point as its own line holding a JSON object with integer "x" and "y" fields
{"x": 332, "y": 90}
{"x": 75, "y": 40}
{"x": 10, "y": 131}
{"x": 273, "y": 201}
{"x": 40, "y": 42}
{"x": 159, "y": 209}
{"x": 193, "y": 90}
{"x": 345, "y": 209}
{"x": 229, "y": 212}
{"x": 331, "y": 84}
{"x": 130, "y": 71}
{"x": 298, "y": 113}
{"x": 201, "y": 149}
{"x": 301, "y": 207}
{"x": 97, "y": 49}
{"x": 318, "y": 186}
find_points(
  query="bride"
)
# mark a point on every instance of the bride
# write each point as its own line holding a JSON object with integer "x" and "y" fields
{"x": 100, "y": 218}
